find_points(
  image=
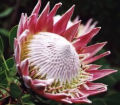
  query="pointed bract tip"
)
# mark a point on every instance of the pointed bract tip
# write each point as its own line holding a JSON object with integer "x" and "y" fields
{"x": 105, "y": 42}
{"x": 89, "y": 21}
{"x": 39, "y": 1}
{"x": 48, "y": 3}
{"x": 76, "y": 19}
{"x": 36, "y": 8}
{"x": 59, "y": 4}
{"x": 66, "y": 101}
{"x": 108, "y": 52}
{"x": 78, "y": 22}
{"x": 114, "y": 71}
{"x": 73, "y": 5}
{"x": 72, "y": 8}
{"x": 88, "y": 101}
{"x": 97, "y": 28}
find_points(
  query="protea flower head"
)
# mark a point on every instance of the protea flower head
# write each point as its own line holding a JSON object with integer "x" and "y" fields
{"x": 53, "y": 58}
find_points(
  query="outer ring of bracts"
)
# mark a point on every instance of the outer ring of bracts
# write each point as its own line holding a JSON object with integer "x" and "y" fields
{"x": 34, "y": 24}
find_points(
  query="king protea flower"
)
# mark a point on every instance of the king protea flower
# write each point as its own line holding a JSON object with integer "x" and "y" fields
{"x": 54, "y": 60}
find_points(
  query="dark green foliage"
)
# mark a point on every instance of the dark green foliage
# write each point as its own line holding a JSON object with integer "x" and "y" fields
{"x": 12, "y": 35}
{"x": 1, "y": 46}
{"x": 15, "y": 91}
{"x": 6, "y": 12}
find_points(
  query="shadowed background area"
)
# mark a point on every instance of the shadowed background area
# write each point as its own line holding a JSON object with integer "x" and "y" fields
{"x": 106, "y": 12}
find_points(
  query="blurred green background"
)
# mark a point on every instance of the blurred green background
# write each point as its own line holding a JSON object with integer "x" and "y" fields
{"x": 106, "y": 12}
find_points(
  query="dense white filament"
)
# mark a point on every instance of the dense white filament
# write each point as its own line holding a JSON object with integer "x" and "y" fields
{"x": 54, "y": 56}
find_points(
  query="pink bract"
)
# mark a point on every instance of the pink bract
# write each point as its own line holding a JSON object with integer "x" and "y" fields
{"x": 53, "y": 58}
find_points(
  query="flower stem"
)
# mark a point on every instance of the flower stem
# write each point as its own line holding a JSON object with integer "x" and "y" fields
{"x": 5, "y": 63}
{"x": 7, "y": 69}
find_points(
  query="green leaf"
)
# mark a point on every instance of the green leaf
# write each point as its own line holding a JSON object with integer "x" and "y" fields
{"x": 6, "y": 12}
{"x": 4, "y": 32}
{"x": 12, "y": 72}
{"x": 1, "y": 46}
{"x": 10, "y": 62}
{"x": 12, "y": 35}
{"x": 27, "y": 99}
{"x": 3, "y": 80}
{"x": 15, "y": 91}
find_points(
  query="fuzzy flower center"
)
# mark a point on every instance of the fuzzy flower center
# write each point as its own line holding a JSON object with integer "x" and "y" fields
{"x": 53, "y": 57}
